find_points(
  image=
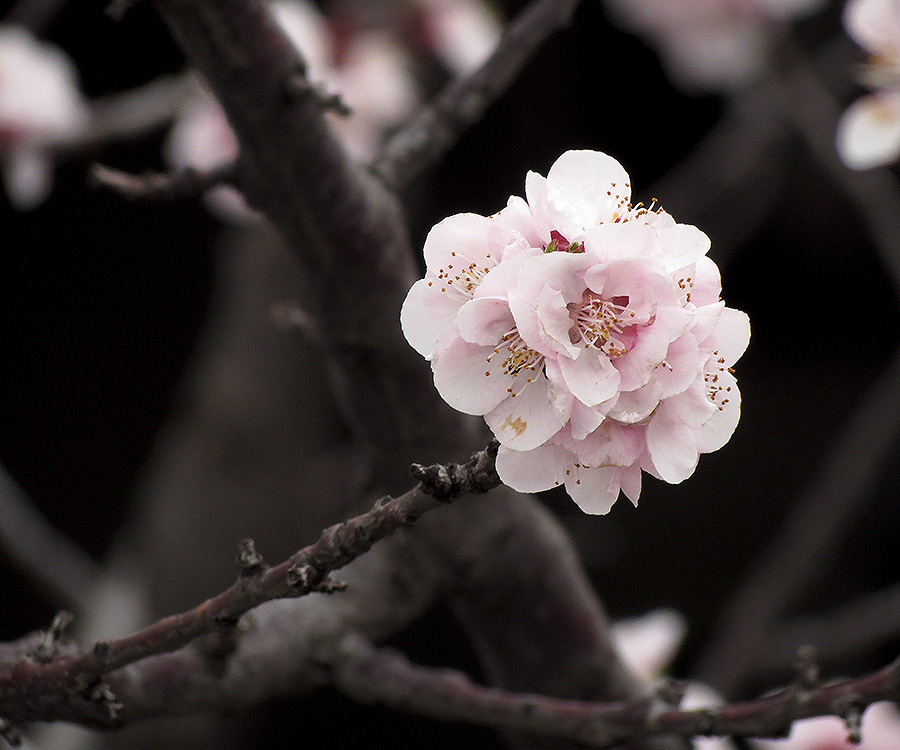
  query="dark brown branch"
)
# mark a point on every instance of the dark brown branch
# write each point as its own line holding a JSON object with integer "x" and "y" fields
{"x": 304, "y": 572}
{"x": 161, "y": 186}
{"x": 381, "y": 676}
{"x": 812, "y": 531}
{"x": 439, "y": 125}
{"x": 60, "y": 568}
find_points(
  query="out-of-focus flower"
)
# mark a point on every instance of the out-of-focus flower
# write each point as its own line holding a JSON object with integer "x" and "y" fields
{"x": 463, "y": 32}
{"x": 40, "y": 107}
{"x": 880, "y": 731}
{"x": 709, "y": 45}
{"x": 868, "y": 133}
{"x": 374, "y": 78}
{"x": 588, "y": 332}
{"x": 647, "y": 644}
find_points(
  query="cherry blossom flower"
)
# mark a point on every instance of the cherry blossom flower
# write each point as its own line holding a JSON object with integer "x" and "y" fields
{"x": 588, "y": 332}
{"x": 880, "y": 731}
{"x": 709, "y": 45}
{"x": 40, "y": 107}
{"x": 868, "y": 133}
{"x": 463, "y": 32}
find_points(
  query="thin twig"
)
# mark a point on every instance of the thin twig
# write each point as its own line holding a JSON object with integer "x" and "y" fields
{"x": 127, "y": 115}
{"x": 306, "y": 571}
{"x": 161, "y": 186}
{"x": 439, "y": 125}
{"x": 60, "y": 568}
{"x": 817, "y": 523}
{"x": 382, "y": 676}
{"x": 859, "y": 626}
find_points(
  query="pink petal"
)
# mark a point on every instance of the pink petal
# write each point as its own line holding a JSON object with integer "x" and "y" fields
{"x": 584, "y": 419}
{"x": 425, "y": 315}
{"x": 594, "y": 490}
{"x": 611, "y": 444}
{"x": 680, "y": 368}
{"x": 630, "y": 477}
{"x": 527, "y": 419}
{"x": 681, "y": 245}
{"x": 718, "y": 429}
{"x": 484, "y": 321}
{"x": 464, "y": 377}
{"x": 635, "y": 406}
{"x": 593, "y": 187}
{"x": 628, "y": 240}
{"x": 730, "y": 336}
{"x": 672, "y": 446}
{"x": 592, "y": 378}
{"x": 534, "y": 470}
{"x": 459, "y": 240}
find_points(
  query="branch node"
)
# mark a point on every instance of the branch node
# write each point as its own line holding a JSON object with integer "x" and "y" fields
{"x": 101, "y": 693}
{"x": 478, "y": 474}
{"x": 297, "y": 86}
{"x": 806, "y": 667}
{"x": 849, "y": 708}
{"x": 101, "y": 652}
{"x": 10, "y": 733}
{"x": 44, "y": 652}
{"x": 671, "y": 692}
{"x": 303, "y": 577}
{"x": 249, "y": 559}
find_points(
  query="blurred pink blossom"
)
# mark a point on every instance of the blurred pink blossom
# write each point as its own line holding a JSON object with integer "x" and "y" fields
{"x": 588, "y": 332}
{"x": 40, "y": 107}
{"x": 868, "y": 133}
{"x": 709, "y": 45}
{"x": 880, "y": 731}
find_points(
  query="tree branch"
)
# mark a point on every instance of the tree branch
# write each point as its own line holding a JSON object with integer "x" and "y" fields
{"x": 305, "y": 571}
{"x": 161, "y": 186}
{"x": 384, "y": 677}
{"x": 438, "y": 126}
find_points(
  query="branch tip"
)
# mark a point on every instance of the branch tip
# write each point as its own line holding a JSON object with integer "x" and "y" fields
{"x": 446, "y": 482}
{"x": 249, "y": 559}
{"x": 44, "y": 652}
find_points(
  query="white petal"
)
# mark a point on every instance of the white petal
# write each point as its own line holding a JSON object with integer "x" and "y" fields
{"x": 672, "y": 446}
{"x": 528, "y": 419}
{"x": 593, "y": 185}
{"x": 680, "y": 245}
{"x": 464, "y": 377}
{"x": 868, "y": 132}
{"x": 594, "y": 490}
{"x": 718, "y": 429}
{"x": 425, "y": 315}
{"x": 592, "y": 378}
{"x": 535, "y": 470}
{"x": 731, "y": 335}
{"x": 484, "y": 321}
{"x": 874, "y": 24}
{"x": 457, "y": 241}
{"x": 649, "y": 643}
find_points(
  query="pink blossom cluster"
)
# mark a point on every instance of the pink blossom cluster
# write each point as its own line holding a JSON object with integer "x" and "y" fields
{"x": 588, "y": 332}
{"x": 868, "y": 133}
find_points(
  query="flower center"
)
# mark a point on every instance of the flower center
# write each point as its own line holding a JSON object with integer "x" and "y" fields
{"x": 517, "y": 354}
{"x": 460, "y": 279}
{"x": 601, "y": 324}
{"x": 716, "y": 392}
{"x": 560, "y": 244}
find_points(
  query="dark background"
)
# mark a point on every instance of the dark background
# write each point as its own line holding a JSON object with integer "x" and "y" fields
{"x": 103, "y": 300}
